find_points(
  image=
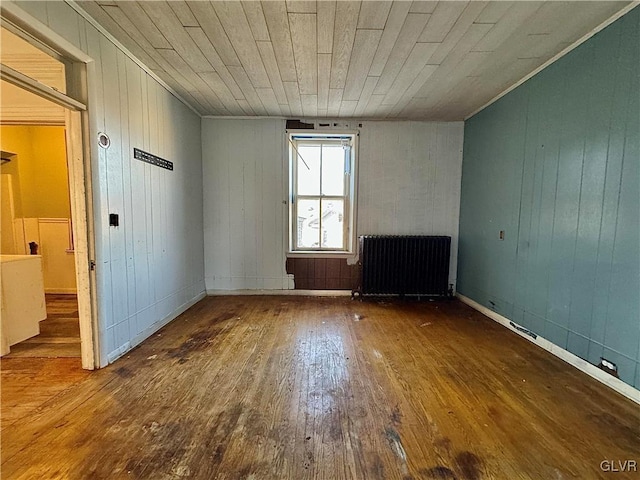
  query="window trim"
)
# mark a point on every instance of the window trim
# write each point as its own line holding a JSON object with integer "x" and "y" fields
{"x": 351, "y": 184}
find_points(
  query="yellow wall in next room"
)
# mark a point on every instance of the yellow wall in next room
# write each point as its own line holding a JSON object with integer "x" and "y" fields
{"x": 40, "y": 178}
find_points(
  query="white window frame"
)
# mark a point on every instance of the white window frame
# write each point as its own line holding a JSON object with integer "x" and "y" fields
{"x": 350, "y": 194}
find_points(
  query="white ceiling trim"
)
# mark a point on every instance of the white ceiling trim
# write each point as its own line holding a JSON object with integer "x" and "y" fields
{"x": 249, "y": 117}
{"x": 558, "y": 56}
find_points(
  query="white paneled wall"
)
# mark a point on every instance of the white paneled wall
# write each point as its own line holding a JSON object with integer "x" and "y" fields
{"x": 409, "y": 183}
{"x": 244, "y": 218}
{"x": 409, "y": 180}
{"x": 151, "y": 267}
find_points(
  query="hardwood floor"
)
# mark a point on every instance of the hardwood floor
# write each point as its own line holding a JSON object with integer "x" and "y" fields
{"x": 323, "y": 388}
{"x": 28, "y": 383}
{"x": 59, "y": 332}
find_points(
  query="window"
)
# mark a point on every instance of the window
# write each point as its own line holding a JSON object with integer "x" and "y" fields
{"x": 322, "y": 191}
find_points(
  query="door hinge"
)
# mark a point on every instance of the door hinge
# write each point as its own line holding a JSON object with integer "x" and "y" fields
{"x": 92, "y": 265}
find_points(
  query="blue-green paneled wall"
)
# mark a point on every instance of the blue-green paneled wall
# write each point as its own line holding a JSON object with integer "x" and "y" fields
{"x": 555, "y": 164}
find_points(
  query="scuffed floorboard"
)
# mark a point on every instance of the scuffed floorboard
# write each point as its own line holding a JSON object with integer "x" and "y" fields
{"x": 319, "y": 388}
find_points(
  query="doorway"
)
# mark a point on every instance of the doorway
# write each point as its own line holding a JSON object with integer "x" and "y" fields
{"x": 37, "y": 221}
{"x": 46, "y": 211}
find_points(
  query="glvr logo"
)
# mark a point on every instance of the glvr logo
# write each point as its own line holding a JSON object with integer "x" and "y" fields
{"x": 619, "y": 466}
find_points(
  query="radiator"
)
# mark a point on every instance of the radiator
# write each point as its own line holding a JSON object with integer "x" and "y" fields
{"x": 404, "y": 265}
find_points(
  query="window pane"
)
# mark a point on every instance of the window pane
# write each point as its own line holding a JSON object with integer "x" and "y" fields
{"x": 308, "y": 223}
{"x": 309, "y": 174}
{"x": 332, "y": 223}
{"x": 332, "y": 170}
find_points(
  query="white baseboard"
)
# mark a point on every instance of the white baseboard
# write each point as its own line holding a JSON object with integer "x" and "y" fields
{"x": 118, "y": 352}
{"x": 146, "y": 333}
{"x": 581, "y": 364}
{"x": 304, "y": 293}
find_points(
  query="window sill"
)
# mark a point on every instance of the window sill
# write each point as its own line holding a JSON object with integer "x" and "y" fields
{"x": 320, "y": 254}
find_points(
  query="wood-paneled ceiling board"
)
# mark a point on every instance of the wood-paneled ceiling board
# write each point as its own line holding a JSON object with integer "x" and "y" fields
{"x": 428, "y": 60}
{"x": 19, "y": 106}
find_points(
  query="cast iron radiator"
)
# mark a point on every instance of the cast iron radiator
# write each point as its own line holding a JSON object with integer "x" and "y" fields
{"x": 404, "y": 265}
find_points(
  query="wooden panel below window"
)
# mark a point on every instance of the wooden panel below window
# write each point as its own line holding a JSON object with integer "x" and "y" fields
{"x": 323, "y": 273}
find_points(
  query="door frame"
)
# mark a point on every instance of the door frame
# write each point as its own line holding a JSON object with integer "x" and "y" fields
{"x": 79, "y": 69}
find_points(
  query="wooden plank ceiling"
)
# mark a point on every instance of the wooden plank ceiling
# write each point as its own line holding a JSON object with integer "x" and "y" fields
{"x": 372, "y": 59}
{"x": 18, "y": 106}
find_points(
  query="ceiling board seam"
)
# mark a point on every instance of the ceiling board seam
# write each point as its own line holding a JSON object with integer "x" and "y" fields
{"x": 145, "y": 19}
{"x": 335, "y": 83}
{"x": 282, "y": 44}
{"x": 230, "y": 42}
{"x": 267, "y": 54}
{"x": 138, "y": 43}
{"x": 181, "y": 42}
{"x": 128, "y": 53}
{"x": 243, "y": 58}
{"x": 326, "y": 12}
{"x": 356, "y": 75}
{"x": 176, "y": 7}
{"x": 379, "y": 4}
{"x": 297, "y": 58}
{"x": 412, "y": 39}
{"x": 263, "y": 23}
{"x": 122, "y": 23}
{"x": 558, "y": 56}
{"x": 217, "y": 63}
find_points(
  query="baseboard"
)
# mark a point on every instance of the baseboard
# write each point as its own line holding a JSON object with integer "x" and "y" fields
{"x": 146, "y": 333}
{"x": 304, "y": 293}
{"x": 118, "y": 352}
{"x": 612, "y": 382}
{"x": 61, "y": 291}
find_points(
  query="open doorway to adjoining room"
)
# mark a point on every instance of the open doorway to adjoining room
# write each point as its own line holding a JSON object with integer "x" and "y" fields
{"x": 47, "y": 308}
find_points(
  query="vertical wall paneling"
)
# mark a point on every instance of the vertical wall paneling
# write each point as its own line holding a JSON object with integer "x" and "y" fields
{"x": 622, "y": 333}
{"x": 114, "y": 190}
{"x": 555, "y": 165}
{"x": 136, "y": 175}
{"x": 243, "y": 194}
{"x": 409, "y": 183}
{"x": 124, "y": 66}
{"x": 409, "y": 180}
{"x": 151, "y": 267}
{"x": 100, "y": 194}
{"x": 153, "y": 196}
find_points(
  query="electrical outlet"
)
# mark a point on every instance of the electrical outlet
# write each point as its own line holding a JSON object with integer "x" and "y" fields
{"x": 501, "y": 234}
{"x": 608, "y": 366}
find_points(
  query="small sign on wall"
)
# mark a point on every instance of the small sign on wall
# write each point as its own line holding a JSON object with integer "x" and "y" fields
{"x": 152, "y": 159}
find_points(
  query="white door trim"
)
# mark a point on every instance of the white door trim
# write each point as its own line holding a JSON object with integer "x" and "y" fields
{"x": 82, "y": 219}
{"x": 20, "y": 80}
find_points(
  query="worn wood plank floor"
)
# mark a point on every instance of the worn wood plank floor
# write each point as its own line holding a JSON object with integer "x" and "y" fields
{"x": 324, "y": 388}
{"x": 59, "y": 332}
